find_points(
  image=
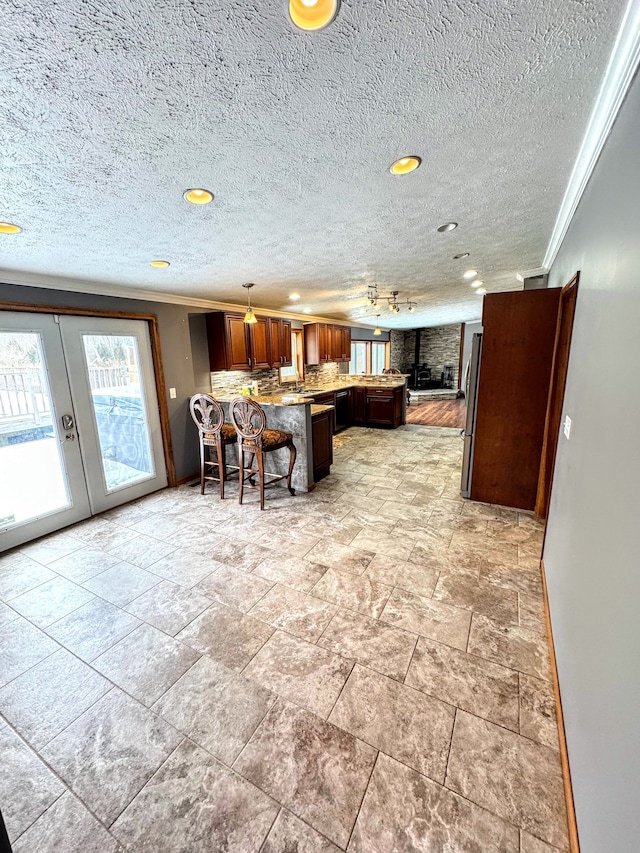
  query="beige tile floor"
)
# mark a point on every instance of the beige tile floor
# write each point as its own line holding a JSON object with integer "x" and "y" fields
{"x": 362, "y": 668}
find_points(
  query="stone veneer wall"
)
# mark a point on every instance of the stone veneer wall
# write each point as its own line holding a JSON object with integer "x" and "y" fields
{"x": 231, "y": 381}
{"x": 396, "y": 350}
{"x": 439, "y": 345}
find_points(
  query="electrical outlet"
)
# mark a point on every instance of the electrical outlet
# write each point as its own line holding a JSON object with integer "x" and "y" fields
{"x": 172, "y": 393}
{"x": 567, "y": 427}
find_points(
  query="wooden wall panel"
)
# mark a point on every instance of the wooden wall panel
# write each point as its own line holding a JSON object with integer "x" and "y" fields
{"x": 515, "y": 370}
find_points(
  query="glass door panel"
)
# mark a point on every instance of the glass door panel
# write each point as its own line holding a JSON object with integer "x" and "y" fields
{"x": 41, "y": 478}
{"x": 117, "y": 396}
{"x": 30, "y": 451}
{"x": 113, "y": 386}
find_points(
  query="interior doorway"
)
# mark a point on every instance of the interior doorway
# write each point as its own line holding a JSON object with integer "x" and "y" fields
{"x": 80, "y": 429}
{"x": 559, "y": 368}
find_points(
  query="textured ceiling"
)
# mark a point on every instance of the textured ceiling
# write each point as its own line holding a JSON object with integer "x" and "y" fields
{"x": 111, "y": 109}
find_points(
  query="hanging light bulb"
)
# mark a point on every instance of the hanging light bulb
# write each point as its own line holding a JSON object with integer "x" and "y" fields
{"x": 377, "y": 330}
{"x": 249, "y": 316}
{"x": 412, "y": 307}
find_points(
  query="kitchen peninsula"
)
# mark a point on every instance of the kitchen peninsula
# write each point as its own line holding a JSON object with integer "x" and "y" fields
{"x": 361, "y": 400}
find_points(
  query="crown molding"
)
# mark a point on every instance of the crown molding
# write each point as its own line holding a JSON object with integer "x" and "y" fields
{"x": 620, "y": 72}
{"x": 72, "y": 285}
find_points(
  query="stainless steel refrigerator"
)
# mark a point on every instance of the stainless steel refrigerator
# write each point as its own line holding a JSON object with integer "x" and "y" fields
{"x": 473, "y": 376}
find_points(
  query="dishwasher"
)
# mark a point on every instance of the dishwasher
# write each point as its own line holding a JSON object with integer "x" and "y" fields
{"x": 342, "y": 409}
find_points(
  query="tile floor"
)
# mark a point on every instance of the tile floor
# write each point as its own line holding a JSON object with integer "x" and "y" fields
{"x": 362, "y": 668}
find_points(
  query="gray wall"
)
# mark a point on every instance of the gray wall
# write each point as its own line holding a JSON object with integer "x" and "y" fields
{"x": 591, "y": 551}
{"x": 183, "y": 370}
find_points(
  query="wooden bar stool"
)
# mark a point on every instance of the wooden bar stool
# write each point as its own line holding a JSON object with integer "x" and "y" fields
{"x": 214, "y": 432}
{"x": 250, "y": 423}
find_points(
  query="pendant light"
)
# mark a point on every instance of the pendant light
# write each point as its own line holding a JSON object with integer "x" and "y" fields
{"x": 249, "y": 316}
{"x": 377, "y": 330}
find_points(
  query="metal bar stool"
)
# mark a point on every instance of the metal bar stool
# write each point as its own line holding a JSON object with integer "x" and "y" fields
{"x": 214, "y": 432}
{"x": 250, "y": 423}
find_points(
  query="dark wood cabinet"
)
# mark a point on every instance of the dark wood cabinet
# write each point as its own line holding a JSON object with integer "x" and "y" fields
{"x": 285, "y": 341}
{"x": 280, "y": 339}
{"x": 229, "y": 344}
{"x": 236, "y": 345}
{"x": 325, "y": 342}
{"x": 519, "y": 331}
{"x": 384, "y": 406}
{"x": 359, "y": 405}
{"x": 260, "y": 350}
{"x": 346, "y": 344}
{"x": 322, "y": 437}
{"x": 379, "y": 406}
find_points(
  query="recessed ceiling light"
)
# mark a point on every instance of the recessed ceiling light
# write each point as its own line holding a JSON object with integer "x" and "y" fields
{"x": 160, "y": 265}
{"x": 198, "y": 196}
{"x": 477, "y": 283}
{"x": 481, "y": 290}
{"x": 448, "y": 226}
{"x": 313, "y": 14}
{"x": 306, "y": 310}
{"x": 470, "y": 274}
{"x": 9, "y": 228}
{"x": 405, "y": 165}
{"x": 294, "y": 297}
{"x": 460, "y": 256}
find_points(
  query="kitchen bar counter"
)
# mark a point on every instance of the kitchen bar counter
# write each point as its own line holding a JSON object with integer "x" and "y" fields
{"x": 288, "y": 417}
{"x": 294, "y": 413}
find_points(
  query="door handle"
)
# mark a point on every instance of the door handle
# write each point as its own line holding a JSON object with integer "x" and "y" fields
{"x": 67, "y": 422}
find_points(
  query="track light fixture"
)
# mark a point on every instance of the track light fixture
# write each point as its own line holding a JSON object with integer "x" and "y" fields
{"x": 392, "y": 301}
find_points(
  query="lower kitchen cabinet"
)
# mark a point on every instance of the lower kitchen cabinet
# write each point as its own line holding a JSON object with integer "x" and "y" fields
{"x": 365, "y": 406}
{"x": 359, "y": 405}
{"x": 384, "y": 406}
{"x": 322, "y": 437}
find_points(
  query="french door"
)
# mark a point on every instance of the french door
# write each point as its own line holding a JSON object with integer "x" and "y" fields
{"x": 79, "y": 423}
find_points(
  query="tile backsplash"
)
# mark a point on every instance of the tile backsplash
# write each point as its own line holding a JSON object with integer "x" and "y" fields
{"x": 231, "y": 381}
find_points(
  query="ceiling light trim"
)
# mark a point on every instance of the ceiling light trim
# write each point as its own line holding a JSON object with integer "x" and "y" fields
{"x": 620, "y": 72}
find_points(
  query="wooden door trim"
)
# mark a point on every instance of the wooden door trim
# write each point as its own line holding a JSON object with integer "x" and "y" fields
{"x": 572, "y": 825}
{"x": 550, "y": 442}
{"x": 156, "y": 356}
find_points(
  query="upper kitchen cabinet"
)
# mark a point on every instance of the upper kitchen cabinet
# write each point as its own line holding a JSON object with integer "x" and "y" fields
{"x": 345, "y": 343}
{"x": 280, "y": 341}
{"x": 236, "y": 345}
{"x": 324, "y": 342}
{"x": 317, "y": 343}
{"x": 260, "y": 343}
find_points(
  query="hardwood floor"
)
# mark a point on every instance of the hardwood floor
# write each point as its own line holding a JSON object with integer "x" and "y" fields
{"x": 438, "y": 413}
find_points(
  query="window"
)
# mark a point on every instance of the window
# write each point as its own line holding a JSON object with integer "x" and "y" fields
{"x": 296, "y": 371}
{"x": 378, "y": 357}
{"x": 368, "y": 357}
{"x": 358, "y": 363}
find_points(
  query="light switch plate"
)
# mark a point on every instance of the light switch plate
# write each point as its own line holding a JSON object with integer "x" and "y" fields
{"x": 567, "y": 427}
{"x": 172, "y": 393}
